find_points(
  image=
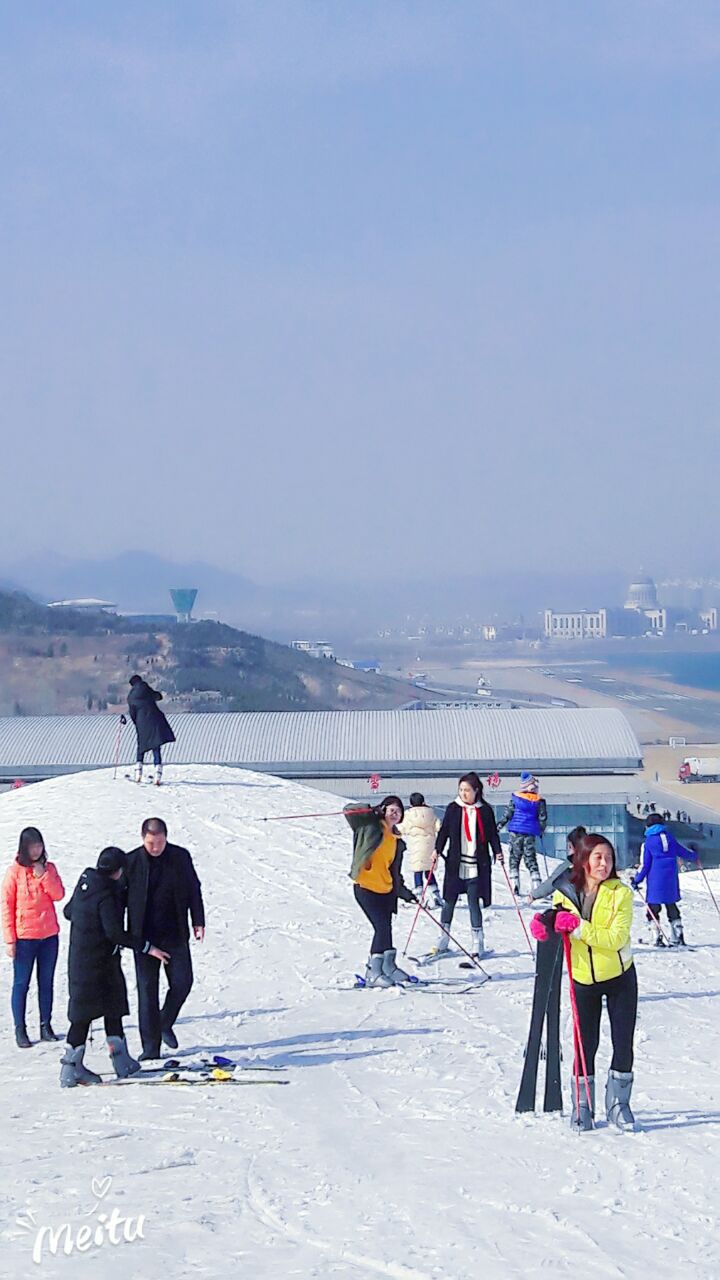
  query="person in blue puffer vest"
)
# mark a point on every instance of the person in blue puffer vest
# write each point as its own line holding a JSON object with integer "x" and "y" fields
{"x": 660, "y": 853}
{"x": 525, "y": 818}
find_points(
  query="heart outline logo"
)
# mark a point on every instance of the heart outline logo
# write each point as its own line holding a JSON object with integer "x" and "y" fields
{"x": 101, "y": 1186}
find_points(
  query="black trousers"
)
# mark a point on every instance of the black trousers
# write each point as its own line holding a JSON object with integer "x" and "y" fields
{"x": 472, "y": 888}
{"x": 622, "y": 999}
{"x": 673, "y": 911}
{"x": 378, "y": 908}
{"x": 153, "y": 1019}
{"x": 157, "y": 755}
{"x": 79, "y": 1031}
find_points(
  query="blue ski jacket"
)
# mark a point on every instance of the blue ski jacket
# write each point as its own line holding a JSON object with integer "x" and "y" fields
{"x": 660, "y": 853}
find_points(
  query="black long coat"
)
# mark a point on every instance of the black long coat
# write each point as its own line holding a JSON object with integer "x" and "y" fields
{"x": 151, "y": 724}
{"x": 187, "y": 893}
{"x": 450, "y": 835}
{"x": 95, "y": 976}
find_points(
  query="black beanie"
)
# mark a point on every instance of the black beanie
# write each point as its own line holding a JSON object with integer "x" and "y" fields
{"x": 112, "y": 859}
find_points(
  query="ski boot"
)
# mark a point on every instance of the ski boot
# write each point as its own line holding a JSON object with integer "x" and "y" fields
{"x": 678, "y": 936}
{"x": 391, "y": 969}
{"x": 478, "y": 944}
{"x": 516, "y": 886}
{"x": 583, "y": 1120}
{"x": 535, "y": 883}
{"x": 47, "y": 1033}
{"x": 138, "y": 773}
{"x": 158, "y": 776}
{"x": 443, "y": 943}
{"x": 73, "y": 1070}
{"x": 438, "y": 902}
{"x": 123, "y": 1064}
{"x": 374, "y": 976}
{"x": 22, "y": 1038}
{"x": 617, "y": 1099}
{"x": 659, "y": 940}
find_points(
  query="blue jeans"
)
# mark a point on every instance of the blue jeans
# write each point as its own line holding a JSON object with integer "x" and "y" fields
{"x": 157, "y": 756}
{"x": 423, "y": 875}
{"x": 27, "y": 952}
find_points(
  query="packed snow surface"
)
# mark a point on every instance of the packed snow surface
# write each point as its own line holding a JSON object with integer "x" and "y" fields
{"x": 395, "y": 1150}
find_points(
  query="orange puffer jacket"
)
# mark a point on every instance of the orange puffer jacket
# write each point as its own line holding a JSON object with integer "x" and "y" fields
{"x": 28, "y": 909}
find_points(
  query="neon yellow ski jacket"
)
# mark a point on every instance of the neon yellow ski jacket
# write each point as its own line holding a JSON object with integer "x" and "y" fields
{"x": 600, "y": 947}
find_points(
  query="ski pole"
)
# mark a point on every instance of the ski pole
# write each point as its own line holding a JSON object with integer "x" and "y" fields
{"x": 294, "y": 817}
{"x": 542, "y": 846}
{"x": 707, "y": 884}
{"x": 454, "y": 940}
{"x": 654, "y": 918}
{"x": 433, "y": 864}
{"x": 517, "y": 908}
{"x": 121, "y": 722}
{"x": 577, "y": 1038}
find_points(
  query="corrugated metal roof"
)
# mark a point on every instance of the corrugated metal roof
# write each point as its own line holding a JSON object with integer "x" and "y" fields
{"x": 338, "y": 743}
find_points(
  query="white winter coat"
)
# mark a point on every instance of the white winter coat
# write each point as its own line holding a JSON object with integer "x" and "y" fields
{"x": 418, "y": 829}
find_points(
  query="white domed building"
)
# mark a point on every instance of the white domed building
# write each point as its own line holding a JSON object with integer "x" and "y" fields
{"x": 642, "y": 593}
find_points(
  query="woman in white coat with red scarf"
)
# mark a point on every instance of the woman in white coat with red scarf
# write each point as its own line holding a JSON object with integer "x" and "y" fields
{"x": 467, "y": 837}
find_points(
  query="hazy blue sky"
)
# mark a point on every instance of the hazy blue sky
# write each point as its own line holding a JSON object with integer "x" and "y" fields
{"x": 361, "y": 287}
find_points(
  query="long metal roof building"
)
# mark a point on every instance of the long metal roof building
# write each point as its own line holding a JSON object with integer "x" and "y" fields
{"x": 337, "y": 744}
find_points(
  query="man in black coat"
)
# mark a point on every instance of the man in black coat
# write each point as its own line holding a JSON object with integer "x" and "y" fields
{"x": 151, "y": 726}
{"x": 162, "y": 888}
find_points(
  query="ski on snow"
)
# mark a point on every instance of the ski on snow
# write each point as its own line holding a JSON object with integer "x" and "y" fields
{"x": 175, "y": 1078}
{"x": 545, "y": 1014}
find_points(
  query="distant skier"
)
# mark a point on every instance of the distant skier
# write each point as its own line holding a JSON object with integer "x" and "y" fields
{"x": 469, "y": 834}
{"x": 594, "y": 907}
{"x": 376, "y": 872}
{"x": 544, "y": 890}
{"x": 95, "y": 977}
{"x": 162, "y": 889}
{"x": 660, "y": 855}
{"x": 151, "y": 725}
{"x": 30, "y": 890}
{"x": 419, "y": 828}
{"x": 525, "y": 818}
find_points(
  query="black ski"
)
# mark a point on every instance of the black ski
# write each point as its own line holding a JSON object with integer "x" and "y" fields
{"x": 548, "y": 971}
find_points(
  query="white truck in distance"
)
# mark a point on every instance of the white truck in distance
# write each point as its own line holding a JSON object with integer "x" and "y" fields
{"x": 700, "y": 769}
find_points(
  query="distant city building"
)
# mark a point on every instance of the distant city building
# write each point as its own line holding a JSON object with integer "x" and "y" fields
{"x": 183, "y": 599}
{"x": 315, "y": 648}
{"x": 642, "y": 614}
{"x": 88, "y": 606}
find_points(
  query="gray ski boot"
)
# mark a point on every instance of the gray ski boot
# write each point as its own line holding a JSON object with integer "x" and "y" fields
{"x": 478, "y": 943}
{"x": 617, "y": 1099}
{"x": 374, "y": 976}
{"x": 123, "y": 1064}
{"x": 585, "y": 1118}
{"x": 391, "y": 969}
{"x": 678, "y": 937}
{"x": 73, "y": 1070}
{"x": 535, "y": 883}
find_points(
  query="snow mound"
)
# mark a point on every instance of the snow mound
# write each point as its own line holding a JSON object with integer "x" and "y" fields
{"x": 395, "y": 1150}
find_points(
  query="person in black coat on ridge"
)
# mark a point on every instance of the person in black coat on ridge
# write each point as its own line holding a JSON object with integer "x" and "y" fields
{"x": 95, "y": 976}
{"x": 151, "y": 725}
{"x": 468, "y": 832}
{"x": 162, "y": 889}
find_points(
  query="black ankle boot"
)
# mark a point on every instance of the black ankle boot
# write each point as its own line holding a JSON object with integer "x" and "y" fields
{"x": 22, "y": 1039}
{"x": 47, "y": 1033}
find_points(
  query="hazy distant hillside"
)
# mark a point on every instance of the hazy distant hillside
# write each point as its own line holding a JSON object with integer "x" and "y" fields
{"x": 62, "y": 661}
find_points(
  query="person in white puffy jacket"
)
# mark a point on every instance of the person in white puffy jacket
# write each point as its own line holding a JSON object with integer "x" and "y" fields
{"x": 418, "y": 829}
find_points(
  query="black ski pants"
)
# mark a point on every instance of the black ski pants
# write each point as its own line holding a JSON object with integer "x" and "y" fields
{"x": 154, "y": 1020}
{"x": 673, "y": 911}
{"x": 79, "y": 1031}
{"x": 621, "y": 995}
{"x": 472, "y": 888}
{"x": 378, "y": 907}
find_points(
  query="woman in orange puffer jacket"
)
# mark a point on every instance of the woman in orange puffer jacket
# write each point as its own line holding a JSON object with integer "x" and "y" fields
{"x": 30, "y": 890}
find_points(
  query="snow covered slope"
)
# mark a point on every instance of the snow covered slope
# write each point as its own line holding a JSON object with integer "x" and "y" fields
{"x": 395, "y": 1150}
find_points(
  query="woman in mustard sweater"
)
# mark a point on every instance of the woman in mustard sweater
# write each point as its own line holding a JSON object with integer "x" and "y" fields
{"x": 594, "y": 907}
{"x": 376, "y": 872}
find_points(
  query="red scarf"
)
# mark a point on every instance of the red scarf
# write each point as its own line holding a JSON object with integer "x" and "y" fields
{"x": 480, "y": 829}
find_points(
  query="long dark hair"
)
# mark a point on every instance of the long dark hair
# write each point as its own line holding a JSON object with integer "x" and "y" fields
{"x": 474, "y": 782}
{"x": 574, "y": 837}
{"x": 28, "y": 836}
{"x": 385, "y": 804}
{"x": 581, "y": 858}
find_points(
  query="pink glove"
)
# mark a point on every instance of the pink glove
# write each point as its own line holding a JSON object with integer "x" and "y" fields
{"x": 566, "y": 922}
{"x": 538, "y": 930}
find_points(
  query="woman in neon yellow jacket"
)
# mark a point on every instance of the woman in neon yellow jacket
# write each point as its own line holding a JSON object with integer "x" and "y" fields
{"x": 594, "y": 907}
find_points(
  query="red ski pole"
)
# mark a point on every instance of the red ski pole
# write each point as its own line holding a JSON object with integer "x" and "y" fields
{"x": 454, "y": 940}
{"x": 430, "y": 873}
{"x": 577, "y": 1038}
{"x": 707, "y": 883}
{"x": 294, "y": 817}
{"x": 517, "y": 908}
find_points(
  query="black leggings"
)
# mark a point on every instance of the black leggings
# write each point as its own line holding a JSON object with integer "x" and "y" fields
{"x": 622, "y": 999}
{"x": 473, "y": 896}
{"x": 378, "y": 908}
{"x": 672, "y": 909}
{"x": 79, "y": 1031}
